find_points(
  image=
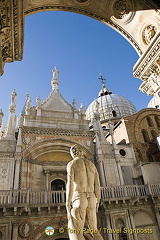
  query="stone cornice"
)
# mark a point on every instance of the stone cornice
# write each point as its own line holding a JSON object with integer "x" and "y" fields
{"x": 148, "y": 68}
{"x": 59, "y": 132}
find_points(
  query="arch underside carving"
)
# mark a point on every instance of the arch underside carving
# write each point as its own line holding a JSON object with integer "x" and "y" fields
{"x": 137, "y": 21}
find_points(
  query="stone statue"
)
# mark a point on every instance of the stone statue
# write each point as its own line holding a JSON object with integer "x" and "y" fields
{"x": 25, "y": 229}
{"x": 55, "y": 73}
{"x": 13, "y": 97}
{"x": 82, "y": 195}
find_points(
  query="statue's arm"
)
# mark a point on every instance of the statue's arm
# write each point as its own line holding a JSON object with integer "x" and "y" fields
{"x": 97, "y": 188}
{"x": 69, "y": 187}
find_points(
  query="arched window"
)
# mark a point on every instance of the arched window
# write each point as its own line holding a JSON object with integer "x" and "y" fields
{"x": 114, "y": 113}
{"x": 120, "y": 224}
{"x": 154, "y": 134}
{"x": 145, "y": 136}
{"x": 157, "y": 121}
{"x": 58, "y": 185}
{"x": 149, "y": 121}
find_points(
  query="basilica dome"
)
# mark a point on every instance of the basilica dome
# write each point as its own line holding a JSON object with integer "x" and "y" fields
{"x": 110, "y": 106}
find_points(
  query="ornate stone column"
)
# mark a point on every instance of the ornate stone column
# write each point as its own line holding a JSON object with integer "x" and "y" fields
{"x": 47, "y": 174}
{"x": 108, "y": 224}
{"x": 157, "y": 216}
{"x": 17, "y": 170}
{"x": 132, "y": 223}
{"x": 15, "y": 230}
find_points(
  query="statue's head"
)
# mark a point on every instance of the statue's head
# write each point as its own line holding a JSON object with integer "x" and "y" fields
{"x": 76, "y": 151}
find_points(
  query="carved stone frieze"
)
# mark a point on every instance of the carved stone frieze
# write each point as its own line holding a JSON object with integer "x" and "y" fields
{"x": 42, "y": 131}
{"x": 148, "y": 68}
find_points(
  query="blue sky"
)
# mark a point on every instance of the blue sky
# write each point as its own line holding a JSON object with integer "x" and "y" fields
{"x": 80, "y": 47}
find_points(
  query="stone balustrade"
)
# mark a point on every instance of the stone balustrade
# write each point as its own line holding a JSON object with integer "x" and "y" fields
{"x": 56, "y": 197}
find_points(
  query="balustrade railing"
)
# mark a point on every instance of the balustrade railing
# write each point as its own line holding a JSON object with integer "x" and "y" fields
{"x": 56, "y": 197}
{"x": 27, "y": 196}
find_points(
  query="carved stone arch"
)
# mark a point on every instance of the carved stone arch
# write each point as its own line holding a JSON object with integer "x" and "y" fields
{"x": 150, "y": 219}
{"x": 56, "y": 223}
{"x": 59, "y": 181}
{"x": 141, "y": 116}
{"x": 124, "y": 16}
{"x": 120, "y": 223}
{"x": 52, "y": 144}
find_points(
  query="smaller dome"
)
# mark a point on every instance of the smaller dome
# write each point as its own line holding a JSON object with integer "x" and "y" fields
{"x": 110, "y": 105}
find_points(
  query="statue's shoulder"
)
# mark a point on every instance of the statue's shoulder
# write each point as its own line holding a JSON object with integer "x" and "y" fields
{"x": 72, "y": 163}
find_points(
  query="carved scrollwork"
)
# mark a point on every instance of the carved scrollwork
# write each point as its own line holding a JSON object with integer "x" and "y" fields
{"x": 5, "y": 31}
{"x": 148, "y": 33}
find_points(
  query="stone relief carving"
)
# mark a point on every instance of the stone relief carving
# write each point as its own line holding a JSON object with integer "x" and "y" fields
{"x": 148, "y": 33}
{"x": 4, "y": 175}
{"x": 26, "y": 140}
{"x": 5, "y": 30}
{"x": 123, "y": 10}
{"x": 25, "y": 229}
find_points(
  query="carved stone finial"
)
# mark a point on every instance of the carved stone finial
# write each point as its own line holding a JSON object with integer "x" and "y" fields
{"x": 13, "y": 97}
{"x": 74, "y": 104}
{"x": 38, "y": 102}
{"x": 54, "y": 81}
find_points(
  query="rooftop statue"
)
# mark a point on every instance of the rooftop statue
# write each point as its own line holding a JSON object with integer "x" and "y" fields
{"x": 55, "y": 73}
{"x": 82, "y": 195}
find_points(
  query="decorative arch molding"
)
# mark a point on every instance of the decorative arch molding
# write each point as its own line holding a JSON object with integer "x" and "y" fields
{"x": 58, "y": 222}
{"x": 122, "y": 15}
{"x": 141, "y": 115}
{"x": 147, "y": 214}
{"x": 51, "y": 145}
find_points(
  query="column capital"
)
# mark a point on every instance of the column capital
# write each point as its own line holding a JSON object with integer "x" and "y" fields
{"x": 15, "y": 223}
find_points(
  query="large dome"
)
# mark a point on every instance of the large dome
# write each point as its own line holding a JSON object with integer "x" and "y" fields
{"x": 110, "y": 106}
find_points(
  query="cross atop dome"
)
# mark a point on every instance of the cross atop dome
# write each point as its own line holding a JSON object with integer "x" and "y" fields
{"x": 54, "y": 81}
{"x": 102, "y": 79}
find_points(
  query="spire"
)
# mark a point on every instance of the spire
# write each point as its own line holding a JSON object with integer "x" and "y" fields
{"x": 54, "y": 81}
{"x": 9, "y": 131}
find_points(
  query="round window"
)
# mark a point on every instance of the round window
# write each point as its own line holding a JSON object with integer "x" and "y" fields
{"x": 122, "y": 152}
